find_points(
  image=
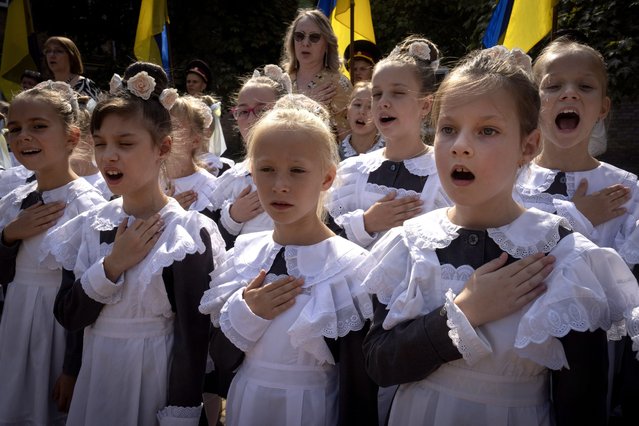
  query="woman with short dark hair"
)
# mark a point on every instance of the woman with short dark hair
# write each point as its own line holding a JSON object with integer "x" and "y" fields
{"x": 64, "y": 63}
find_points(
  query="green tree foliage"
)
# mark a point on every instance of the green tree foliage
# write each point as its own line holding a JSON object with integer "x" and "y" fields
{"x": 612, "y": 28}
{"x": 457, "y": 26}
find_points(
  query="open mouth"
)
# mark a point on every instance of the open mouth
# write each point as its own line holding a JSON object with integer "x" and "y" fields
{"x": 386, "y": 119}
{"x": 463, "y": 174}
{"x": 28, "y": 152}
{"x": 361, "y": 122}
{"x": 112, "y": 176}
{"x": 567, "y": 120}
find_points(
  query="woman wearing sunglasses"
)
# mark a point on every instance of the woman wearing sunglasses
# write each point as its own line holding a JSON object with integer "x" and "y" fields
{"x": 311, "y": 59}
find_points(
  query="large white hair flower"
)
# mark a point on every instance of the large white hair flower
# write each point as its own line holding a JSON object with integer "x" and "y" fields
{"x": 168, "y": 98}
{"x": 141, "y": 85}
{"x": 419, "y": 49}
{"x": 115, "y": 84}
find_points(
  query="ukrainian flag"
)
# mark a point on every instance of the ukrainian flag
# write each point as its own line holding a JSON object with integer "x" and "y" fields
{"x": 15, "y": 47}
{"x": 519, "y": 23}
{"x": 151, "y": 39}
{"x": 339, "y": 13}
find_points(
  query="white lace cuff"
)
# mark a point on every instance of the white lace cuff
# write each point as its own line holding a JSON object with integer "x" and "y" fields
{"x": 98, "y": 287}
{"x": 242, "y": 327}
{"x": 577, "y": 220}
{"x": 466, "y": 339}
{"x": 228, "y": 223}
{"x": 179, "y": 416}
{"x": 353, "y": 224}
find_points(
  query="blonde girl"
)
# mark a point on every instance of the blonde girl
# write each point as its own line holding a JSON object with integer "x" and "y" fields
{"x": 135, "y": 270}
{"x": 291, "y": 298}
{"x": 187, "y": 180}
{"x": 380, "y": 190}
{"x": 364, "y": 136}
{"x": 469, "y": 340}
{"x": 40, "y": 361}
{"x": 598, "y": 199}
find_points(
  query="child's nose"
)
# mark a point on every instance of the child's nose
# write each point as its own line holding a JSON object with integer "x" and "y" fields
{"x": 570, "y": 91}
{"x": 462, "y": 145}
{"x": 281, "y": 183}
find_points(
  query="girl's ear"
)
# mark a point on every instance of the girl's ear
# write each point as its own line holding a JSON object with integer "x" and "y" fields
{"x": 605, "y": 108}
{"x": 427, "y": 106}
{"x": 530, "y": 146}
{"x": 165, "y": 146}
{"x": 73, "y": 138}
{"x": 329, "y": 178}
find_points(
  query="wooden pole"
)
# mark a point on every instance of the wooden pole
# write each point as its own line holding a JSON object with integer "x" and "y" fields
{"x": 553, "y": 30}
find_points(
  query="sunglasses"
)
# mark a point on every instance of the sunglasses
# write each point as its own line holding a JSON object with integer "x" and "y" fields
{"x": 312, "y": 37}
{"x": 242, "y": 113}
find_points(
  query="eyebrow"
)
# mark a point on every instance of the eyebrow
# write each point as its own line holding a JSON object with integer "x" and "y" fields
{"x": 30, "y": 119}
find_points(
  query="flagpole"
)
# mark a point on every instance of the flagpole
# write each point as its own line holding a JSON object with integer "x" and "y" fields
{"x": 351, "y": 47}
{"x": 553, "y": 29}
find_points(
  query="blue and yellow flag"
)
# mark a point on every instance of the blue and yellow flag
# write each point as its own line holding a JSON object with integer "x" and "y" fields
{"x": 15, "y": 47}
{"x": 151, "y": 39}
{"x": 339, "y": 12}
{"x": 519, "y": 23}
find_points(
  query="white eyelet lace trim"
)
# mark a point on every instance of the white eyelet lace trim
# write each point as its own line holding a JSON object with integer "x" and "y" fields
{"x": 173, "y": 411}
{"x": 234, "y": 337}
{"x": 460, "y": 327}
{"x": 544, "y": 245}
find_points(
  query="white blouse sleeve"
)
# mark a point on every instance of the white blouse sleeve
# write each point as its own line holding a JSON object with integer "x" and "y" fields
{"x": 233, "y": 227}
{"x": 342, "y": 202}
{"x": 590, "y": 288}
{"x": 240, "y": 325}
{"x": 227, "y": 308}
{"x": 98, "y": 287}
{"x": 578, "y": 222}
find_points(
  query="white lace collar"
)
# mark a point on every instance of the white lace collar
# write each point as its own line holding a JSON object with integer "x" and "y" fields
{"x": 317, "y": 262}
{"x": 348, "y": 150}
{"x": 534, "y": 231}
{"x": 422, "y": 165}
{"x": 181, "y": 235}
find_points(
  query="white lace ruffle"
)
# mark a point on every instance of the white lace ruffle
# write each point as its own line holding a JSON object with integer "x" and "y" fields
{"x": 332, "y": 270}
{"x": 590, "y": 288}
{"x": 534, "y": 180}
{"x": 462, "y": 334}
{"x": 337, "y": 307}
{"x": 549, "y": 225}
{"x": 173, "y": 415}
